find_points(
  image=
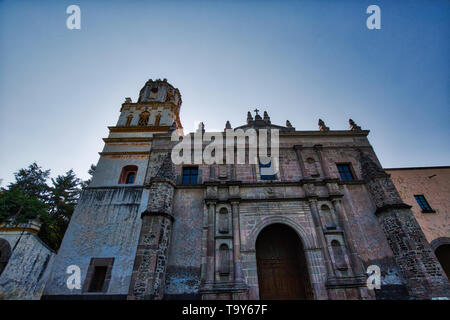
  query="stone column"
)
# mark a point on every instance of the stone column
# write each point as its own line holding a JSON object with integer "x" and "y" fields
{"x": 421, "y": 271}
{"x": 318, "y": 148}
{"x": 320, "y": 235}
{"x": 150, "y": 263}
{"x": 344, "y": 223}
{"x": 238, "y": 276}
{"x": 298, "y": 151}
{"x": 210, "y": 244}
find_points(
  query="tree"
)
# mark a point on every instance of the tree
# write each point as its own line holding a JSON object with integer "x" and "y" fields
{"x": 17, "y": 208}
{"x": 91, "y": 172}
{"x": 31, "y": 197}
{"x": 64, "y": 194}
{"x": 32, "y": 182}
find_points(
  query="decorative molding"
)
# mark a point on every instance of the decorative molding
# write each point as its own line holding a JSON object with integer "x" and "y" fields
{"x": 126, "y": 153}
{"x": 111, "y": 140}
{"x": 148, "y": 213}
{"x": 139, "y": 129}
{"x": 331, "y": 133}
{"x": 392, "y": 207}
{"x": 19, "y": 229}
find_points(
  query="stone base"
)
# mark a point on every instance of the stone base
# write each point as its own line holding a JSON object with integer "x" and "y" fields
{"x": 225, "y": 291}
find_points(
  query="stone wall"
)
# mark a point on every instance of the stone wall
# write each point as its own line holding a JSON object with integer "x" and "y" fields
{"x": 105, "y": 224}
{"x": 28, "y": 268}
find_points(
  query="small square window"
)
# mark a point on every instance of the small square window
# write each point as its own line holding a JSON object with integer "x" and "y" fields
{"x": 98, "y": 279}
{"x": 345, "y": 172}
{"x": 98, "y": 275}
{"x": 423, "y": 203}
{"x": 190, "y": 175}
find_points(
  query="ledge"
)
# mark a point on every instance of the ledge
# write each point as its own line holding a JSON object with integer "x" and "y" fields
{"x": 139, "y": 129}
{"x": 346, "y": 282}
{"x": 126, "y": 153}
{"x": 110, "y": 140}
{"x": 392, "y": 207}
{"x": 148, "y": 213}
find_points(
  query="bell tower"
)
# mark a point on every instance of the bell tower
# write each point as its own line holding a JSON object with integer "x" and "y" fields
{"x": 158, "y": 106}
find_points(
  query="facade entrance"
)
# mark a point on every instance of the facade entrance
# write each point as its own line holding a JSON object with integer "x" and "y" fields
{"x": 443, "y": 255}
{"x": 281, "y": 263}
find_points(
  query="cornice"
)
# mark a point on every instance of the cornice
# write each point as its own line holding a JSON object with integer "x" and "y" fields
{"x": 125, "y": 153}
{"x": 111, "y": 140}
{"x": 149, "y": 104}
{"x": 139, "y": 129}
{"x": 331, "y": 133}
{"x": 19, "y": 229}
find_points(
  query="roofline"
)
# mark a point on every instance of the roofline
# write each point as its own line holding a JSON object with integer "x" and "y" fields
{"x": 419, "y": 168}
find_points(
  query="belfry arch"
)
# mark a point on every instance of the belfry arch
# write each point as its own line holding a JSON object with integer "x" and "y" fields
{"x": 281, "y": 264}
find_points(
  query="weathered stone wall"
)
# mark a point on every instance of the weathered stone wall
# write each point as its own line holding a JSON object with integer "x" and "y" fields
{"x": 28, "y": 268}
{"x": 109, "y": 169}
{"x": 185, "y": 254}
{"x": 370, "y": 240}
{"x": 105, "y": 224}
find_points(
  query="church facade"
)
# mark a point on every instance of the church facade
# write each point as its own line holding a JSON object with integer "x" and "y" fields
{"x": 147, "y": 228}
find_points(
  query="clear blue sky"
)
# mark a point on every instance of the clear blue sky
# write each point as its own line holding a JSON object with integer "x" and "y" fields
{"x": 299, "y": 60}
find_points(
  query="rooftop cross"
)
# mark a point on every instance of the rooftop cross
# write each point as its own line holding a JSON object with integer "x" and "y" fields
{"x": 256, "y": 111}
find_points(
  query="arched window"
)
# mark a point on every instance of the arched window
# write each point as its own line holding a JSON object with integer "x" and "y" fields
{"x": 5, "y": 254}
{"x": 223, "y": 221}
{"x": 128, "y": 175}
{"x": 338, "y": 254}
{"x": 143, "y": 118}
{"x": 157, "y": 119}
{"x": 129, "y": 118}
{"x": 224, "y": 260}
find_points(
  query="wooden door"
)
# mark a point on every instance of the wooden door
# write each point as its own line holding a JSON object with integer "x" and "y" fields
{"x": 281, "y": 263}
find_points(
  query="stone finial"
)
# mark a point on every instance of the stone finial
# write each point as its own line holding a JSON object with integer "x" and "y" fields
{"x": 288, "y": 124}
{"x": 201, "y": 127}
{"x": 266, "y": 117}
{"x": 164, "y": 80}
{"x": 228, "y": 125}
{"x": 127, "y": 100}
{"x": 353, "y": 126}
{"x": 249, "y": 117}
{"x": 257, "y": 116}
{"x": 322, "y": 126}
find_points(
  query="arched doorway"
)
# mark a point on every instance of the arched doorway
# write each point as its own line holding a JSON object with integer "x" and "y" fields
{"x": 281, "y": 262}
{"x": 5, "y": 254}
{"x": 443, "y": 255}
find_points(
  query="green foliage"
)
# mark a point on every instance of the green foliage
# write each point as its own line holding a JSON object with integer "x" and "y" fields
{"x": 91, "y": 171}
{"x": 17, "y": 208}
{"x": 64, "y": 194}
{"x": 30, "y": 197}
{"x": 32, "y": 182}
